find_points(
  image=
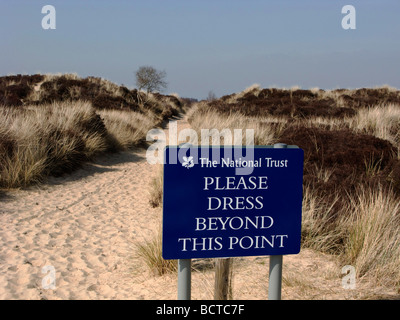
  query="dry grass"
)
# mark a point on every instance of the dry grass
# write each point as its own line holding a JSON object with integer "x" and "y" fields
{"x": 382, "y": 121}
{"x": 129, "y": 128}
{"x": 50, "y": 124}
{"x": 52, "y": 139}
{"x": 265, "y": 130}
{"x": 254, "y": 89}
{"x": 151, "y": 253}
{"x": 156, "y": 188}
{"x": 366, "y": 235}
{"x": 48, "y": 139}
{"x": 23, "y": 90}
{"x": 373, "y": 235}
{"x": 319, "y": 228}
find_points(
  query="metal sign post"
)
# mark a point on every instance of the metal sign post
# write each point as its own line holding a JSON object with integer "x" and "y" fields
{"x": 275, "y": 264}
{"x": 275, "y": 277}
{"x": 184, "y": 279}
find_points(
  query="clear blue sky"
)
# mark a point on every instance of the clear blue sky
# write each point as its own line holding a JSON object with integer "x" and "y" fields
{"x": 219, "y": 45}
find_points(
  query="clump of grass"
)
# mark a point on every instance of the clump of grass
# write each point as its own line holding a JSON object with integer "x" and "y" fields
{"x": 253, "y": 89}
{"x": 129, "y": 128}
{"x": 373, "y": 234}
{"x": 48, "y": 140}
{"x": 156, "y": 188}
{"x": 150, "y": 251}
{"x": 320, "y": 230}
{"x": 382, "y": 121}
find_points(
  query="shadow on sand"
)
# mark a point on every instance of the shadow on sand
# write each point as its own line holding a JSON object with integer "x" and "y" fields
{"x": 111, "y": 159}
{"x": 102, "y": 164}
{"x": 5, "y": 196}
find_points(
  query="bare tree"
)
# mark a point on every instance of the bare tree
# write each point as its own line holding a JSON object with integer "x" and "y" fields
{"x": 150, "y": 79}
{"x": 211, "y": 96}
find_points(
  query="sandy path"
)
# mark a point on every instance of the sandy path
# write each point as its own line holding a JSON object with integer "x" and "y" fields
{"x": 85, "y": 225}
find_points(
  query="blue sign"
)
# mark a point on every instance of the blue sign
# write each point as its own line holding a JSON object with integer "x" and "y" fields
{"x": 219, "y": 203}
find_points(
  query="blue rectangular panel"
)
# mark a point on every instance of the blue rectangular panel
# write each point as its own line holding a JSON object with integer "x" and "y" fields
{"x": 212, "y": 209}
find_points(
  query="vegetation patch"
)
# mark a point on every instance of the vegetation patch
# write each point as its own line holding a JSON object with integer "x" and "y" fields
{"x": 52, "y": 124}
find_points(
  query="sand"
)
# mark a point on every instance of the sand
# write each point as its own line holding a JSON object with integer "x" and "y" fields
{"x": 83, "y": 224}
{"x": 84, "y": 228}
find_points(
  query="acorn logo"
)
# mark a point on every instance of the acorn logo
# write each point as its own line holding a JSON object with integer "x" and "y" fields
{"x": 188, "y": 162}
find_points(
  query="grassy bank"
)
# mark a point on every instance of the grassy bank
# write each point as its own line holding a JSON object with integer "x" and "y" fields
{"x": 51, "y": 124}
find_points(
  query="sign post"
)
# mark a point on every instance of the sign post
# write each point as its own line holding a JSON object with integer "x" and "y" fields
{"x": 275, "y": 264}
{"x": 184, "y": 279}
{"x": 220, "y": 203}
{"x": 222, "y": 278}
{"x": 275, "y": 277}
